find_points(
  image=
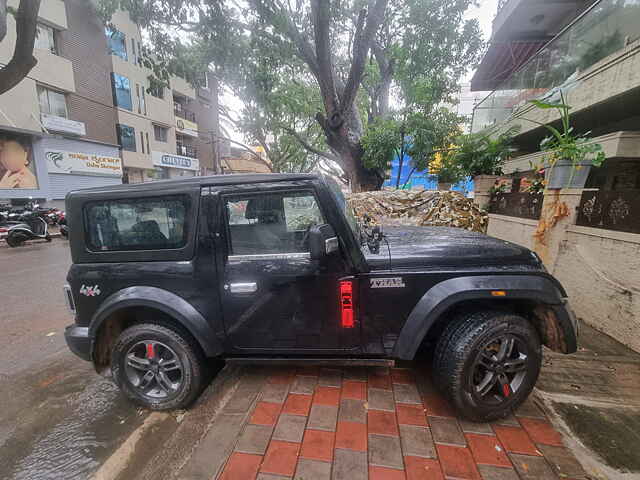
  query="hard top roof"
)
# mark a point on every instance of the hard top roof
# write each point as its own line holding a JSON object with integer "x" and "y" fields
{"x": 231, "y": 179}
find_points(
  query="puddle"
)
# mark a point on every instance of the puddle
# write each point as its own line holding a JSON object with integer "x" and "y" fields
{"x": 95, "y": 422}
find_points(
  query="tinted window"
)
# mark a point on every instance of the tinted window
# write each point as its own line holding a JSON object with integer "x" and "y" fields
{"x": 121, "y": 91}
{"x": 271, "y": 223}
{"x": 116, "y": 43}
{"x": 126, "y": 137}
{"x": 140, "y": 224}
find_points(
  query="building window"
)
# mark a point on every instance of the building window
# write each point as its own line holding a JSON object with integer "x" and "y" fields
{"x": 142, "y": 141}
{"x": 134, "y": 54}
{"x": 121, "y": 91}
{"x": 45, "y": 39}
{"x": 146, "y": 134}
{"x": 126, "y": 137}
{"x": 52, "y": 102}
{"x": 143, "y": 102}
{"x": 116, "y": 43}
{"x": 160, "y": 133}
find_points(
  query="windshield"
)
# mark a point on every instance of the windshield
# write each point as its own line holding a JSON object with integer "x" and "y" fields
{"x": 344, "y": 206}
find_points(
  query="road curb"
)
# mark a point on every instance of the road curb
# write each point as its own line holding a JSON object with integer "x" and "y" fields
{"x": 143, "y": 456}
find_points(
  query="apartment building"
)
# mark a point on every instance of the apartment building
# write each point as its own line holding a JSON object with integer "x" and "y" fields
{"x": 57, "y": 126}
{"x": 166, "y": 132}
{"x": 589, "y": 234}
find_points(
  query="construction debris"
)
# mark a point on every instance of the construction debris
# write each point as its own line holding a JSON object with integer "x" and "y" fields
{"x": 419, "y": 207}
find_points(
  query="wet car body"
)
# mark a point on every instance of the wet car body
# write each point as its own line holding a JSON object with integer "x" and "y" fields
{"x": 342, "y": 303}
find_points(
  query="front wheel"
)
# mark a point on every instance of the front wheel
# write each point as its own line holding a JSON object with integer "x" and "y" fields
{"x": 16, "y": 239}
{"x": 157, "y": 367}
{"x": 487, "y": 363}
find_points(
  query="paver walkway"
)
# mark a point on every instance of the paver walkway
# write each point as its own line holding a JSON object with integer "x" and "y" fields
{"x": 375, "y": 423}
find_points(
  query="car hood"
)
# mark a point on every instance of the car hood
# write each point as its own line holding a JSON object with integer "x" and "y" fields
{"x": 445, "y": 247}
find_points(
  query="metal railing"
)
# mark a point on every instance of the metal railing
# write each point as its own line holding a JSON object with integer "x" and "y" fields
{"x": 601, "y": 30}
{"x": 186, "y": 150}
{"x": 612, "y": 210}
{"x": 517, "y": 204}
{"x": 185, "y": 114}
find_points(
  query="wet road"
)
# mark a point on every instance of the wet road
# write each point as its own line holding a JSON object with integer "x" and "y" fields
{"x": 58, "y": 419}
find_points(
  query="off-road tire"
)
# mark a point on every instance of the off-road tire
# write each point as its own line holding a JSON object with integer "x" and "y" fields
{"x": 456, "y": 352}
{"x": 189, "y": 353}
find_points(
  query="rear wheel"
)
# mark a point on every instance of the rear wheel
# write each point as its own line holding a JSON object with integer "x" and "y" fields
{"x": 158, "y": 367}
{"x": 487, "y": 363}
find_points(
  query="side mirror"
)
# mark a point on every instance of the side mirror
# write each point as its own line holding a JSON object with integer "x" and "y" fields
{"x": 322, "y": 241}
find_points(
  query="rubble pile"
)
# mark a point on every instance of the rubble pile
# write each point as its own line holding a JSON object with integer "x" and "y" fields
{"x": 419, "y": 207}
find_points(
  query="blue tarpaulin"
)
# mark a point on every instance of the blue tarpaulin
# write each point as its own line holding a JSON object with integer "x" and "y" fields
{"x": 421, "y": 178}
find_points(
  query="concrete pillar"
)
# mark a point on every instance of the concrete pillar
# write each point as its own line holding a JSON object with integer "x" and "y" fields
{"x": 559, "y": 210}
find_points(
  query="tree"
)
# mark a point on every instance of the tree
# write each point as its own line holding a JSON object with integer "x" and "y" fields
{"x": 416, "y": 136}
{"x": 359, "y": 56}
{"x": 22, "y": 61}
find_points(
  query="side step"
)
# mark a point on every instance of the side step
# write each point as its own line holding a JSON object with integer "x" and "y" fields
{"x": 336, "y": 362}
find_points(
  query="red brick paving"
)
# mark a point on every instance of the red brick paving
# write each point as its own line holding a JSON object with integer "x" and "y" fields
{"x": 355, "y": 390}
{"x": 411, "y": 415}
{"x": 352, "y": 436}
{"x": 266, "y": 413}
{"x": 297, "y": 404}
{"x": 318, "y": 445}
{"x": 485, "y": 453}
{"x": 327, "y": 396}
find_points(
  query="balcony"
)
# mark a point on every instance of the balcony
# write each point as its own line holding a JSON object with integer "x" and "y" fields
{"x": 184, "y": 114}
{"x": 186, "y": 150}
{"x": 607, "y": 28}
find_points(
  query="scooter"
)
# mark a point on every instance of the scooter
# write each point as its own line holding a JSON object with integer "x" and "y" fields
{"x": 33, "y": 227}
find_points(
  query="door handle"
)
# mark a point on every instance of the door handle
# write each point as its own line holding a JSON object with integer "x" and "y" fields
{"x": 243, "y": 287}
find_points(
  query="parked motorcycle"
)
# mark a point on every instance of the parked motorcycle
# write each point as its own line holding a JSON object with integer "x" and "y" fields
{"x": 33, "y": 227}
{"x": 64, "y": 228}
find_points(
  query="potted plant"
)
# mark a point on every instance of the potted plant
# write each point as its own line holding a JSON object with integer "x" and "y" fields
{"x": 569, "y": 156}
{"x": 481, "y": 156}
{"x": 448, "y": 173}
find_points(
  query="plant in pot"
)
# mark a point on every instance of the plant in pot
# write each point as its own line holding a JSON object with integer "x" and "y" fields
{"x": 569, "y": 156}
{"x": 448, "y": 173}
{"x": 482, "y": 155}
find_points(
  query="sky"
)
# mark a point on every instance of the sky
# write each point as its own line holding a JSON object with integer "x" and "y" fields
{"x": 485, "y": 11}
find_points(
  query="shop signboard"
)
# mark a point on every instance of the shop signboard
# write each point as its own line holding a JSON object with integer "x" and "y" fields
{"x": 186, "y": 127}
{"x": 61, "y": 124}
{"x": 83, "y": 163}
{"x": 163, "y": 159}
{"x": 17, "y": 169}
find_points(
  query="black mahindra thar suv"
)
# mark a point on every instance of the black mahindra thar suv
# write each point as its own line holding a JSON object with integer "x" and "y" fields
{"x": 275, "y": 269}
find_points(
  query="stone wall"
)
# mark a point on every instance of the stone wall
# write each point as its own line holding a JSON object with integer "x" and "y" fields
{"x": 512, "y": 229}
{"x": 600, "y": 269}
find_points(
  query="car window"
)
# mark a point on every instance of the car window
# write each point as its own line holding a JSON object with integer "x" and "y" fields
{"x": 137, "y": 224}
{"x": 271, "y": 223}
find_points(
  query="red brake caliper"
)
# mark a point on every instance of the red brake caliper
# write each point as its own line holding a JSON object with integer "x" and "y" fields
{"x": 150, "y": 353}
{"x": 506, "y": 389}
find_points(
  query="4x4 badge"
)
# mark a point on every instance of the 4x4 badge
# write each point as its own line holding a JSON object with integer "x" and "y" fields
{"x": 90, "y": 291}
{"x": 395, "y": 282}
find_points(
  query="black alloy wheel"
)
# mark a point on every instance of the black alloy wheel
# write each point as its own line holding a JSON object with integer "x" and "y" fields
{"x": 486, "y": 363}
{"x": 158, "y": 366}
{"x": 154, "y": 369}
{"x": 499, "y": 370}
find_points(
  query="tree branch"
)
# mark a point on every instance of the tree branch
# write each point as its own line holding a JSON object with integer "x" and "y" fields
{"x": 3, "y": 19}
{"x": 307, "y": 146}
{"x": 365, "y": 33}
{"x": 321, "y": 18}
{"x": 23, "y": 60}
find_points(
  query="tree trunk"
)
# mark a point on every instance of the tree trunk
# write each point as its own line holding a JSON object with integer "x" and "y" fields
{"x": 22, "y": 60}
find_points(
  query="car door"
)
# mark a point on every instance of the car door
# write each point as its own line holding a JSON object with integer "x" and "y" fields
{"x": 274, "y": 296}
